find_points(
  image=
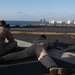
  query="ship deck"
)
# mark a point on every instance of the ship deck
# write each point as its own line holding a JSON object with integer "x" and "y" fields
{"x": 30, "y": 66}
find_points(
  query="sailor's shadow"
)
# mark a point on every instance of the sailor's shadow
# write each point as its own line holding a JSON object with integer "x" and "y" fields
{"x": 19, "y": 49}
{"x": 61, "y": 44}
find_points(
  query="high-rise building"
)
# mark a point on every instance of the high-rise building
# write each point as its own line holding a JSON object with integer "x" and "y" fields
{"x": 51, "y": 22}
{"x": 68, "y": 22}
{"x": 59, "y": 22}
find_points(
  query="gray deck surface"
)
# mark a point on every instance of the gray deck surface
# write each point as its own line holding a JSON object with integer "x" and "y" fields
{"x": 30, "y": 66}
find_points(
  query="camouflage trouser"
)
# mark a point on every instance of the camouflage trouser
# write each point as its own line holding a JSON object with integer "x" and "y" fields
{"x": 8, "y": 47}
{"x": 44, "y": 58}
{"x": 38, "y": 50}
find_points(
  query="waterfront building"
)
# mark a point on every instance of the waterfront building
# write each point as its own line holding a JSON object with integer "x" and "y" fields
{"x": 68, "y": 22}
{"x": 44, "y": 21}
{"x": 59, "y": 22}
{"x": 41, "y": 21}
{"x": 51, "y": 22}
{"x": 73, "y": 22}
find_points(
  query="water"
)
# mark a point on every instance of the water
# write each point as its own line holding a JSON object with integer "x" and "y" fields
{"x": 23, "y": 22}
{"x": 13, "y": 23}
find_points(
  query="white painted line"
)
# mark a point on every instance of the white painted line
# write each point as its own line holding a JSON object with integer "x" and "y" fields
{"x": 23, "y": 43}
{"x": 50, "y": 33}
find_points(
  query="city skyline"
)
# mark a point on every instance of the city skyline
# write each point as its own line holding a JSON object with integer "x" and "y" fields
{"x": 34, "y": 10}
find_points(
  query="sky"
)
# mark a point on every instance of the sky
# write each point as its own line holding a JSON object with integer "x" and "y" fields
{"x": 34, "y": 10}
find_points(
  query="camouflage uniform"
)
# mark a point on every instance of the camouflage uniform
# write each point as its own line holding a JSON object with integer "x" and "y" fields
{"x": 38, "y": 48}
{"x": 6, "y": 47}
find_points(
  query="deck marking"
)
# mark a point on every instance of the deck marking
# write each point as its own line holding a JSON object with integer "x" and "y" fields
{"x": 50, "y": 33}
